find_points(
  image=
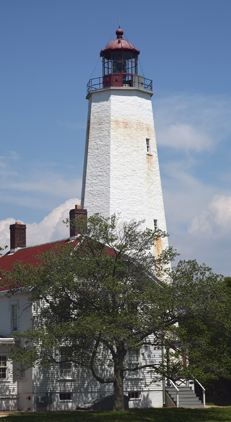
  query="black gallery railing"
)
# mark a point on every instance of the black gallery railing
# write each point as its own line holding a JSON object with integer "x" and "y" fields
{"x": 119, "y": 80}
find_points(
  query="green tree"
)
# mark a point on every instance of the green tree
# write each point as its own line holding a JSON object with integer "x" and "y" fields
{"x": 219, "y": 384}
{"x": 100, "y": 299}
{"x": 204, "y": 328}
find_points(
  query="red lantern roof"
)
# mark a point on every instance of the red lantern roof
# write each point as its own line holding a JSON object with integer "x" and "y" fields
{"x": 119, "y": 44}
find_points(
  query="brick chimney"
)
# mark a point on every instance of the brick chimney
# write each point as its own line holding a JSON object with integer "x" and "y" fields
{"x": 78, "y": 221}
{"x": 17, "y": 235}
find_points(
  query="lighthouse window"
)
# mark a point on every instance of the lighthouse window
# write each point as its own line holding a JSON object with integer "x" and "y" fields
{"x": 148, "y": 146}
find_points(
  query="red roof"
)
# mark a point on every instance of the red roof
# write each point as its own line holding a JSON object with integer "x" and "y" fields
{"x": 118, "y": 44}
{"x": 30, "y": 255}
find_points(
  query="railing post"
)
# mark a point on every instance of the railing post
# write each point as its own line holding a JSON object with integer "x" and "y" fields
{"x": 177, "y": 393}
{"x": 204, "y": 397}
{"x": 203, "y": 390}
{"x": 177, "y": 399}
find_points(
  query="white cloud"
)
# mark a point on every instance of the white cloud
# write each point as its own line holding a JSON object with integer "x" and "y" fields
{"x": 193, "y": 122}
{"x": 35, "y": 187}
{"x": 185, "y": 194}
{"x": 196, "y": 185}
{"x": 52, "y": 226}
{"x": 47, "y": 183}
{"x": 48, "y": 229}
{"x": 198, "y": 217}
{"x": 221, "y": 208}
{"x": 215, "y": 221}
{"x": 186, "y": 137}
{"x": 5, "y": 232}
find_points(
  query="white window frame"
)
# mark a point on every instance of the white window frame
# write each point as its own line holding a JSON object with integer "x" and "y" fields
{"x": 134, "y": 395}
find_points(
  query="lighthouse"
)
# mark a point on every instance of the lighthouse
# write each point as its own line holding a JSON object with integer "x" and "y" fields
{"x": 121, "y": 170}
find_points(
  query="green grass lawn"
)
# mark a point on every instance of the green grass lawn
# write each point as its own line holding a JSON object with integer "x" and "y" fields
{"x": 146, "y": 415}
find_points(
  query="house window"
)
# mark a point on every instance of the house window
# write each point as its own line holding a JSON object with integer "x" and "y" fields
{"x": 133, "y": 362}
{"x": 132, "y": 395}
{"x": 14, "y": 317}
{"x": 148, "y": 146}
{"x": 2, "y": 367}
{"x": 66, "y": 396}
{"x": 133, "y": 356}
{"x": 65, "y": 366}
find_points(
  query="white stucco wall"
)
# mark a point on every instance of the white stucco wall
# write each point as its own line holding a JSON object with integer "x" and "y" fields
{"x": 120, "y": 177}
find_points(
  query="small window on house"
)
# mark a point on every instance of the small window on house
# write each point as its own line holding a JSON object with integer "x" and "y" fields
{"x": 148, "y": 146}
{"x": 2, "y": 367}
{"x": 132, "y": 395}
{"x": 67, "y": 396}
{"x": 14, "y": 317}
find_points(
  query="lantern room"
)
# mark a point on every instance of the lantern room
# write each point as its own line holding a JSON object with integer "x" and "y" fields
{"x": 119, "y": 66}
{"x": 120, "y": 60}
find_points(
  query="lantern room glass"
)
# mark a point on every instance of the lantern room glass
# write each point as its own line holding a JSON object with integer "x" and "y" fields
{"x": 120, "y": 63}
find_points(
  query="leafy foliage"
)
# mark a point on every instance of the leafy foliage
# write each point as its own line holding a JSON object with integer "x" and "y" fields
{"x": 102, "y": 297}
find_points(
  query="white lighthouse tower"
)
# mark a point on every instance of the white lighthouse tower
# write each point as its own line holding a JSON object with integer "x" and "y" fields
{"x": 121, "y": 170}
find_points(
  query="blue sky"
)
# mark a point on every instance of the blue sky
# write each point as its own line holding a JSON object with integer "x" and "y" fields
{"x": 48, "y": 51}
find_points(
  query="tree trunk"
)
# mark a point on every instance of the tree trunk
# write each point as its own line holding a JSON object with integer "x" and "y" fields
{"x": 118, "y": 383}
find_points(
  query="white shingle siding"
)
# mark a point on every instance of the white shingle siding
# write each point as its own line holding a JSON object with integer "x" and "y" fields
{"x": 38, "y": 387}
{"x": 8, "y": 385}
